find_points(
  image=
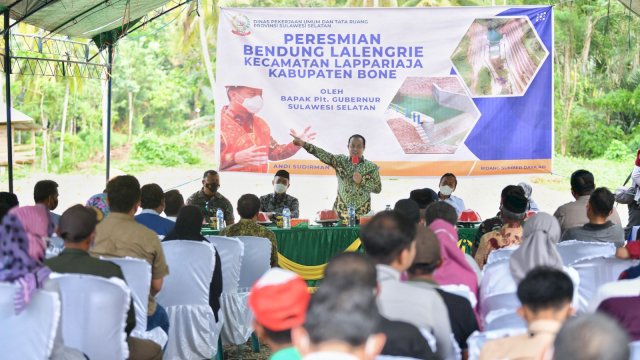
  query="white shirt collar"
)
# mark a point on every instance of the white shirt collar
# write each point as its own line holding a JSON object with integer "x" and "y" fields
{"x": 149, "y": 211}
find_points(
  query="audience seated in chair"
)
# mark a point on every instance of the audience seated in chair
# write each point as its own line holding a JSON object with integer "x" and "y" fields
{"x": 187, "y": 227}
{"x": 77, "y": 227}
{"x": 152, "y": 203}
{"x": 279, "y": 301}
{"x": 626, "y": 311}
{"x": 598, "y": 229}
{"x": 119, "y": 235}
{"x": 7, "y": 202}
{"x": 591, "y": 337}
{"x": 248, "y": 209}
{"x": 513, "y": 211}
{"x": 340, "y": 324}
{"x": 540, "y": 237}
{"x": 45, "y": 193}
{"x": 423, "y": 197}
{"x": 22, "y": 250}
{"x": 457, "y": 267}
{"x": 421, "y": 274}
{"x": 173, "y": 202}
{"x": 403, "y": 339}
{"x": 545, "y": 294}
{"x": 573, "y": 214}
{"x": 494, "y": 223}
{"x": 389, "y": 238}
{"x": 528, "y": 190}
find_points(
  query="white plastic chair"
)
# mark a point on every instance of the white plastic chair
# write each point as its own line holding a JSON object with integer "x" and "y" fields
{"x": 497, "y": 305}
{"x": 496, "y": 279}
{"x": 573, "y": 251}
{"x": 461, "y": 290}
{"x": 137, "y": 273}
{"x": 231, "y": 251}
{"x": 614, "y": 289}
{"x": 476, "y": 341}
{"x": 507, "y": 320}
{"x": 634, "y": 347}
{"x": 31, "y": 334}
{"x": 193, "y": 333}
{"x": 595, "y": 272}
{"x": 501, "y": 254}
{"x": 256, "y": 260}
{"x": 94, "y": 315}
{"x": 237, "y": 316}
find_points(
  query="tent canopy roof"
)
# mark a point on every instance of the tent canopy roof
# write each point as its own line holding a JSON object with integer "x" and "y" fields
{"x": 80, "y": 18}
{"x": 633, "y": 5}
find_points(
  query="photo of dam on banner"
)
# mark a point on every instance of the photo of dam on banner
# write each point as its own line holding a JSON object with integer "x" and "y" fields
{"x": 431, "y": 115}
{"x": 499, "y": 56}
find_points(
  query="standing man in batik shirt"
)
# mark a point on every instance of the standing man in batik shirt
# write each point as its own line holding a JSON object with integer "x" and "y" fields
{"x": 245, "y": 138}
{"x": 209, "y": 200}
{"x": 273, "y": 204}
{"x": 357, "y": 177}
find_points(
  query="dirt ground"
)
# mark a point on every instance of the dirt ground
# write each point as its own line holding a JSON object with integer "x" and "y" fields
{"x": 314, "y": 192}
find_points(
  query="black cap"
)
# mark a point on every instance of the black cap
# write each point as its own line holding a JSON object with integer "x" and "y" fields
{"x": 423, "y": 197}
{"x": 515, "y": 201}
{"x": 283, "y": 174}
{"x": 77, "y": 223}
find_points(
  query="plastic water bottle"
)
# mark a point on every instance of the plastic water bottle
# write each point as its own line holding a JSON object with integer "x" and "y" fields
{"x": 387, "y": 208}
{"x": 352, "y": 215}
{"x": 286, "y": 218}
{"x": 219, "y": 219}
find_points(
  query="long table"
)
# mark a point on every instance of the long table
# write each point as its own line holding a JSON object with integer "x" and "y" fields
{"x": 305, "y": 250}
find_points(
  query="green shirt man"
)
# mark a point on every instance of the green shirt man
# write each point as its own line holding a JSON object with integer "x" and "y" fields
{"x": 357, "y": 177}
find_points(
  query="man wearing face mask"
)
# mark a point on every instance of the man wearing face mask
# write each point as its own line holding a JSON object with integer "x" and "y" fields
{"x": 448, "y": 184}
{"x": 274, "y": 203}
{"x": 245, "y": 138}
{"x": 357, "y": 177}
{"x": 209, "y": 200}
{"x": 45, "y": 192}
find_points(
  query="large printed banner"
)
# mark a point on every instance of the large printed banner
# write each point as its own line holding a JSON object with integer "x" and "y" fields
{"x": 467, "y": 90}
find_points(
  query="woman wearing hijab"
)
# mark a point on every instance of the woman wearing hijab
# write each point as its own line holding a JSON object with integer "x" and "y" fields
{"x": 455, "y": 270}
{"x": 188, "y": 225}
{"x": 22, "y": 251}
{"x": 541, "y": 234}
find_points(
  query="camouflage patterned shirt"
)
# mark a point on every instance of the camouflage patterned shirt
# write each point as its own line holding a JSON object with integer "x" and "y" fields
{"x": 247, "y": 227}
{"x": 200, "y": 199}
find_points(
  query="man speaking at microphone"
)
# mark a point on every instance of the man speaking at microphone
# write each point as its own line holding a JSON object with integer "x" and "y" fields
{"x": 357, "y": 177}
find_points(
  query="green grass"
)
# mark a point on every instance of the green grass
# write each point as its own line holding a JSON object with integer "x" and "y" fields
{"x": 609, "y": 173}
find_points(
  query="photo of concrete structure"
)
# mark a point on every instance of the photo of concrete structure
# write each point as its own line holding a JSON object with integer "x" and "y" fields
{"x": 499, "y": 56}
{"x": 431, "y": 115}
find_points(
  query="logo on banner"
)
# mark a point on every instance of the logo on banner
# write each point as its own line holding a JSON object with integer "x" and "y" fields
{"x": 241, "y": 24}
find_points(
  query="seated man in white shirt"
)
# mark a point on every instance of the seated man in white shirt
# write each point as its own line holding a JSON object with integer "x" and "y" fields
{"x": 448, "y": 184}
{"x": 341, "y": 324}
{"x": 390, "y": 240}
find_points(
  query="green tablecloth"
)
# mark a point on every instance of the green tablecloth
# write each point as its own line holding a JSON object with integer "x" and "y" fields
{"x": 310, "y": 246}
{"x": 315, "y": 245}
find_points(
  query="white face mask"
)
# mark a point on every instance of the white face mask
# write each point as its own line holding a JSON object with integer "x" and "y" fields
{"x": 279, "y": 188}
{"x": 253, "y": 104}
{"x": 446, "y": 190}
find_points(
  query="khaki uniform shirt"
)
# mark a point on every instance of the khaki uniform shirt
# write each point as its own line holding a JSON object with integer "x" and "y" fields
{"x": 574, "y": 214}
{"x": 532, "y": 345}
{"x": 247, "y": 227}
{"x": 119, "y": 235}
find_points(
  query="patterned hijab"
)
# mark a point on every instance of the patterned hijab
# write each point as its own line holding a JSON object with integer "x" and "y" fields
{"x": 541, "y": 234}
{"x": 455, "y": 269}
{"x": 16, "y": 261}
{"x": 99, "y": 201}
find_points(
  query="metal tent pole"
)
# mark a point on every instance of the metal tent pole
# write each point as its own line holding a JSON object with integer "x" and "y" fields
{"x": 108, "y": 143}
{"x": 7, "y": 84}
